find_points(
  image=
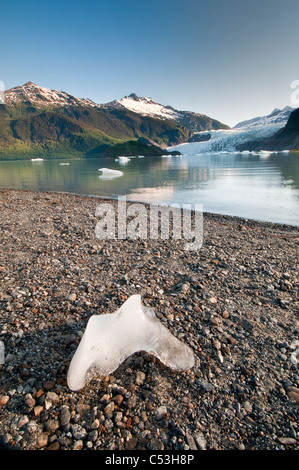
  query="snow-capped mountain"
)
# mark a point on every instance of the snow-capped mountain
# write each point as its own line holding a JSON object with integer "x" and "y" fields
{"x": 278, "y": 116}
{"x": 149, "y": 107}
{"x": 145, "y": 106}
{"x": 40, "y": 96}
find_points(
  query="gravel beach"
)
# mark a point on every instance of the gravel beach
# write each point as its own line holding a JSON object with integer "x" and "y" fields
{"x": 234, "y": 301}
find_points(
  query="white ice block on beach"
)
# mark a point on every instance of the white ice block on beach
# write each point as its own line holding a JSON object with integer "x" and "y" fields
{"x": 111, "y": 338}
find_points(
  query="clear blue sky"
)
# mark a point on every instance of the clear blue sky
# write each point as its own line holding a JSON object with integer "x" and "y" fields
{"x": 229, "y": 59}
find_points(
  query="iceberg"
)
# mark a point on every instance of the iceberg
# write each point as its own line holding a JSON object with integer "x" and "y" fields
{"x": 109, "y": 339}
{"x": 108, "y": 173}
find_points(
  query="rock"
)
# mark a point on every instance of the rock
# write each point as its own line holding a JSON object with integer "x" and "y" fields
{"x": 29, "y": 400}
{"x": 140, "y": 377}
{"x": 131, "y": 443}
{"x": 293, "y": 393}
{"x": 109, "y": 408}
{"x": 131, "y": 402}
{"x": 191, "y": 442}
{"x": 78, "y": 432}
{"x": 22, "y": 421}
{"x": 78, "y": 445}
{"x": 42, "y": 440}
{"x": 37, "y": 410}
{"x": 200, "y": 441}
{"x": 161, "y": 412}
{"x": 71, "y": 297}
{"x": 287, "y": 441}
{"x": 65, "y": 416}
{"x": 95, "y": 424}
{"x": 54, "y": 446}
{"x": 3, "y": 400}
{"x": 155, "y": 444}
{"x": 49, "y": 385}
{"x": 51, "y": 400}
{"x": 118, "y": 399}
{"x": 51, "y": 425}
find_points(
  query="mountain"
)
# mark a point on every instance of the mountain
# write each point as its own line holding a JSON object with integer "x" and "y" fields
{"x": 286, "y": 138}
{"x": 148, "y": 107}
{"x": 39, "y": 122}
{"x": 278, "y": 116}
{"x": 39, "y": 96}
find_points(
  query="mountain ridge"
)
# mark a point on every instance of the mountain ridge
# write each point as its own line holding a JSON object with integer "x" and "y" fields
{"x": 37, "y": 120}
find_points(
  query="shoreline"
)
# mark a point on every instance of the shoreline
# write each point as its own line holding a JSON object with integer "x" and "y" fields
{"x": 216, "y": 215}
{"x": 234, "y": 302}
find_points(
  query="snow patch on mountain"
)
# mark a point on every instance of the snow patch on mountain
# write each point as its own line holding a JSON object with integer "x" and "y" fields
{"x": 145, "y": 107}
{"x": 278, "y": 116}
{"x": 40, "y": 96}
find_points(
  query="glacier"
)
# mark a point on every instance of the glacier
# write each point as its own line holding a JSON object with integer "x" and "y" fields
{"x": 227, "y": 140}
{"x": 111, "y": 338}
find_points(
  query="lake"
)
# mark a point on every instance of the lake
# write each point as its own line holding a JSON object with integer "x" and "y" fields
{"x": 263, "y": 187}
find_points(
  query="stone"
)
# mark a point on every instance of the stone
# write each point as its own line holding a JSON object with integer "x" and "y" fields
{"x": 65, "y": 416}
{"x": 131, "y": 443}
{"x": 109, "y": 408}
{"x": 54, "y": 446}
{"x": 3, "y": 400}
{"x": 131, "y": 402}
{"x": 293, "y": 393}
{"x": 155, "y": 444}
{"x": 161, "y": 412}
{"x": 78, "y": 432}
{"x": 51, "y": 425}
{"x": 200, "y": 441}
{"x": 72, "y": 297}
{"x": 191, "y": 442}
{"x": 37, "y": 410}
{"x": 118, "y": 399}
{"x": 140, "y": 377}
{"x": 51, "y": 400}
{"x": 22, "y": 421}
{"x": 49, "y": 385}
{"x": 42, "y": 440}
{"x": 287, "y": 441}
{"x": 78, "y": 445}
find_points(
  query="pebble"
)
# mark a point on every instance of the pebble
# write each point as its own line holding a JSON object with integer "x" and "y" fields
{"x": 140, "y": 377}
{"x": 155, "y": 444}
{"x": 42, "y": 440}
{"x": 51, "y": 425}
{"x": 229, "y": 301}
{"x": 161, "y": 412}
{"x": 78, "y": 431}
{"x": 65, "y": 416}
{"x": 3, "y": 400}
{"x": 72, "y": 297}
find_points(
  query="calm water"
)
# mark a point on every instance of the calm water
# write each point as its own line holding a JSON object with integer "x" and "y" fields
{"x": 249, "y": 186}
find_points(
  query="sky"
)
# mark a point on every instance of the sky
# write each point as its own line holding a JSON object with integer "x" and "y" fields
{"x": 229, "y": 59}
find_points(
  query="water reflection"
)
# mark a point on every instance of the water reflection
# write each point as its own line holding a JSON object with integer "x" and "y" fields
{"x": 260, "y": 186}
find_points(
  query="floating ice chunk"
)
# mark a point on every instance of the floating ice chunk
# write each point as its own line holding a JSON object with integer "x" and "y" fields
{"x": 108, "y": 174}
{"x": 109, "y": 339}
{"x": 110, "y": 171}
